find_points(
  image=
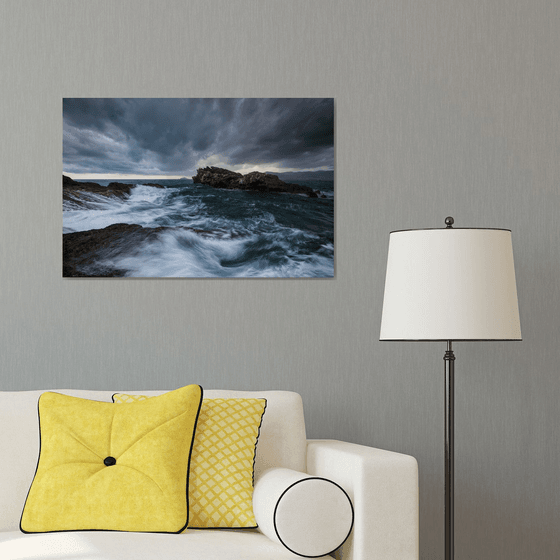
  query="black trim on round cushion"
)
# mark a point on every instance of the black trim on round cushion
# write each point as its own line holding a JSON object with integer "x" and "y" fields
{"x": 280, "y": 499}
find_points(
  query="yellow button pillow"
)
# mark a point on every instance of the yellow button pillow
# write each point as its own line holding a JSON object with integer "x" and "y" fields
{"x": 222, "y": 462}
{"x": 107, "y": 467}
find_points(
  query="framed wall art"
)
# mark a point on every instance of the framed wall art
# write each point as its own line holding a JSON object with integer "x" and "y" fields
{"x": 199, "y": 188}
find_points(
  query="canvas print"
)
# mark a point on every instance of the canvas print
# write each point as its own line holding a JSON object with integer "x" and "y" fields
{"x": 198, "y": 188}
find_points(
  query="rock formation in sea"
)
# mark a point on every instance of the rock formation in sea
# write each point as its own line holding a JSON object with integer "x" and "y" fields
{"x": 92, "y": 253}
{"x": 73, "y": 190}
{"x": 221, "y": 178}
{"x": 89, "y": 253}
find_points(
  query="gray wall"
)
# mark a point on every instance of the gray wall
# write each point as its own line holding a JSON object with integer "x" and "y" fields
{"x": 442, "y": 108}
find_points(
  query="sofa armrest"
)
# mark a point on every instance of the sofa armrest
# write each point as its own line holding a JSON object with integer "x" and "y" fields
{"x": 383, "y": 487}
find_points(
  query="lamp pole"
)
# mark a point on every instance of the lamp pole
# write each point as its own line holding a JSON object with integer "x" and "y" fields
{"x": 447, "y": 285}
{"x": 449, "y": 359}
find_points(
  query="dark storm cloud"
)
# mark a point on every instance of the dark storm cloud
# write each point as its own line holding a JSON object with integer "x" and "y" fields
{"x": 294, "y": 131}
{"x": 169, "y": 136}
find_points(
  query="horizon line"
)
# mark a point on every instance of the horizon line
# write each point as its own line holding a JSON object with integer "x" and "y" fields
{"x": 127, "y": 176}
{"x": 117, "y": 176}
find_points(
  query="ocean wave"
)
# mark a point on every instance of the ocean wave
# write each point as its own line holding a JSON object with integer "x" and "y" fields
{"x": 196, "y": 231}
{"x": 146, "y": 206}
{"x": 184, "y": 253}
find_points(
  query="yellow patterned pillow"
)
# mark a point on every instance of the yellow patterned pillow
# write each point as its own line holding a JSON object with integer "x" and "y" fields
{"x": 222, "y": 462}
{"x": 107, "y": 467}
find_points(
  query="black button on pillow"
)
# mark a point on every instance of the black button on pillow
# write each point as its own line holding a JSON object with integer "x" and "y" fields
{"x": 151, "y": 441}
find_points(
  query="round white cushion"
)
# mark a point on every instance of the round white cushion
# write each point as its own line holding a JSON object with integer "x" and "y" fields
{"x": 310, "y": 516}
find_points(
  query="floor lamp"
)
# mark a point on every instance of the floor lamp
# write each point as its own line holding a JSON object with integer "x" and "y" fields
{"x": 450, "y": 284}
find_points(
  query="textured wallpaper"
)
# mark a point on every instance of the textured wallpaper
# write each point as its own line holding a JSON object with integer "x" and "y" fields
{"x": 441, "y": 108}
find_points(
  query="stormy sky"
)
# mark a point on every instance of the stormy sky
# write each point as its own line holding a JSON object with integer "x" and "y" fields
{"x": 173, "y": 137}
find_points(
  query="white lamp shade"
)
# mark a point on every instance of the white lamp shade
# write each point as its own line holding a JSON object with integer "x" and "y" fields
{"x": 450, "y": 284}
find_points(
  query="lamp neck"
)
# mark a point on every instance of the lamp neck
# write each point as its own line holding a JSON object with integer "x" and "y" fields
{"x": 449, "y": 355}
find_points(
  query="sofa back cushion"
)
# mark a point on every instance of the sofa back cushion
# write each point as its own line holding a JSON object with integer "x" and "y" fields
{"x": 282, "y": 440}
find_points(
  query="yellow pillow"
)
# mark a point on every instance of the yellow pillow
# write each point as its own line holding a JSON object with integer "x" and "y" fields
{"x": 107, "y": 467}
{"x": 222, "y": 462}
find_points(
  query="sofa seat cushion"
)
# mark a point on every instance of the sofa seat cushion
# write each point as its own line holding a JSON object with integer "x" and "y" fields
{"x": 193, "y": 544}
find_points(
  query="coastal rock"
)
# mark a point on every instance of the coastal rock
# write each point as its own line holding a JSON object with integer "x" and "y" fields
{"x": 74, "y": 190}
{"x": 218, "y": 178}
{"x": 221, "y": 178}
{"x": 91, "y": 253}
{"x": 86, "y": 253}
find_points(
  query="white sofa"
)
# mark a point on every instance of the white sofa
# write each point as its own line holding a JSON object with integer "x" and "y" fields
{"x": 382, "y": 485}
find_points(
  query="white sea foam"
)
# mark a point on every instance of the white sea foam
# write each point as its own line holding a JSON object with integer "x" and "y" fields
{"x": 211, "y": 234}
{"x": 146, "y": 206}
{"x": 183, "y": 253}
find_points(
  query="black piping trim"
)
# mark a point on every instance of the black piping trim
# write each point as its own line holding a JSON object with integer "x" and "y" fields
{"x": 252, "y": 475}
{"x": 112, "y": 530}
{"x": 128, "y": 394}
{"x": 280, "y": 499}
{"x": 452, "y": 340}
{"x": 257, "y": 440}
{"x": 221, "y": 528}
{"x": 190, "y": 455}
{"x": 38, "y": 458}
{"x": 450, "y": 229}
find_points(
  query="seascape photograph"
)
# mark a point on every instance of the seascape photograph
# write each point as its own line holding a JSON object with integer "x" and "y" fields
{"x": 198, "y": 188}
